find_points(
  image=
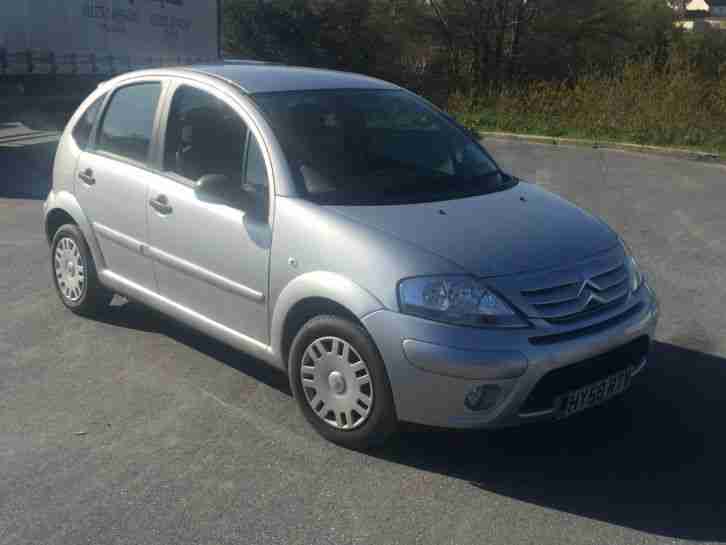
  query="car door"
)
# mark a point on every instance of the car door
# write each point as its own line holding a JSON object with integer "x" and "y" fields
{"x": 113, "y": 178}
{"x": 211, "y": 251}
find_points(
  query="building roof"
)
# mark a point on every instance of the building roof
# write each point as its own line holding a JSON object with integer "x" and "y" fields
{"x": 255, "y": 77}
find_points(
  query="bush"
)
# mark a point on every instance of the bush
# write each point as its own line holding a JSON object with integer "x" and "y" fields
{"x": 672, "y": 103}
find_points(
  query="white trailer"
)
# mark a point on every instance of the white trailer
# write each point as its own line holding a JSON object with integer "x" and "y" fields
{"x": 53, "y": 52}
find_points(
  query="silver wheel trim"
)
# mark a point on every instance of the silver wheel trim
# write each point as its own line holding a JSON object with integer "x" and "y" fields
{"x": 69, "y": 269}
{"x": 336, "y": 383}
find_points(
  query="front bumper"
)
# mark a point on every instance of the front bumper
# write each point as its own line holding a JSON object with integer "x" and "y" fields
{"x": 432, "y": 366}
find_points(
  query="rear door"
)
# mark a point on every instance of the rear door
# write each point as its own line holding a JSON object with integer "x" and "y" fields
{"x": 210, "y": 253}
{"x": 113, "y": 178}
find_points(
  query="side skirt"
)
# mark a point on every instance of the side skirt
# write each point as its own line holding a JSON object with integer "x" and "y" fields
{"x": 220, "y": 332}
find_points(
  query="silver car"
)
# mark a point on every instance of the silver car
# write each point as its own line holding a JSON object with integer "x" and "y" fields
{"x": 349, "y": 233}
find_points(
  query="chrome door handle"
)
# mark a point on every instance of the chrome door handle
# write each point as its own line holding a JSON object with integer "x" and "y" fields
{"x": 161, "y": 204}
{"x": 87, "y": 177}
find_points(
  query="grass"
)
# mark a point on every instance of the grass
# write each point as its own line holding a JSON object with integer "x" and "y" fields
{"x": 644, "y": 103}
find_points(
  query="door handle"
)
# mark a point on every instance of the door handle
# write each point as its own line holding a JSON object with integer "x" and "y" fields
{"x": 161, "y": 204}
{"x": 86, "y": 177}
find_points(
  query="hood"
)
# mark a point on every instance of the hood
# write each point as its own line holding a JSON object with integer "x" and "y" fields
{"x": 521, "y": 229}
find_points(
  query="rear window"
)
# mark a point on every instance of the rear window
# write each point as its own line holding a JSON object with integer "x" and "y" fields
{"x": 127, "y": 126}
{"x": 84, "y": 126}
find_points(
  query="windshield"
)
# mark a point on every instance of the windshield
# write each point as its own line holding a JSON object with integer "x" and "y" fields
{"x": 376, "y": 147}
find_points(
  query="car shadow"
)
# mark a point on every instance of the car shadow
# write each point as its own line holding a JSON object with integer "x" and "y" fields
{"x": 26, "y": 165}
{"x": 653, "y": 460}
{"x": 136, "y": 316}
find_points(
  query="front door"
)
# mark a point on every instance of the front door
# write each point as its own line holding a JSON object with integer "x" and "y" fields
{"x": 113, "y": 180}
{"x": 211, "y": 251}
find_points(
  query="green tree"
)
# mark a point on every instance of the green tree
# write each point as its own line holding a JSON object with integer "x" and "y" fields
{"x": 279, "y": 30}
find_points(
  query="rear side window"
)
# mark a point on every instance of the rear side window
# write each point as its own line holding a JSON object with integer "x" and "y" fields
{"x": 127, "y": 126}
{"x": 84, "y": 126}
{"x": 256, "y": 170}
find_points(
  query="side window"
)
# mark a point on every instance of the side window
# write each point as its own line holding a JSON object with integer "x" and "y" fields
{"x": 204, "y": 136}
{"x": 127, "y": 126}
{"x": 82, "y": 131}
{"x": 256, "y": 174}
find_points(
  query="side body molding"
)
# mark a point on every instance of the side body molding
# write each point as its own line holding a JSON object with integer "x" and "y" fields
{"x": 66, "y": 201}
{"x": 317, "y": 284}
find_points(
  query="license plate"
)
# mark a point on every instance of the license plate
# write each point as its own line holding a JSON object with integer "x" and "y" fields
{"x": 593, "y": 394}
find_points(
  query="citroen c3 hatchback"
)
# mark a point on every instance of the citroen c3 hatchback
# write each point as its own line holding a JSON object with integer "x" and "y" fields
{"x": 348, "y": 232}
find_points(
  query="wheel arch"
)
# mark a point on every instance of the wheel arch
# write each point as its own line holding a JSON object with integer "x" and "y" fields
{"x": 62, "y": 207}
{"x": 315, "y": 294}
{"x": 56, "y": 218}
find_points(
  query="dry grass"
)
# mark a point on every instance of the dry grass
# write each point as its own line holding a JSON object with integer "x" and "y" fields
{"x": 645, "y": 103}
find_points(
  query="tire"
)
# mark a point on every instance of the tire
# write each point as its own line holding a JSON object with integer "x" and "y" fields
{"x": 354, "y": 426}
{"x": 74, "y": 273}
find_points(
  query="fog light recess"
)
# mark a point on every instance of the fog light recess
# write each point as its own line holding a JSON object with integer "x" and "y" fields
{"x": 482, "y": 398}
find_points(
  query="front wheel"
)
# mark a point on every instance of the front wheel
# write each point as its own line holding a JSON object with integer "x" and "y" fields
{"x": 340, "y": 382}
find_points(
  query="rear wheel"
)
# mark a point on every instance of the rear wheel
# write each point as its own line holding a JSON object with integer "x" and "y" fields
{"x": 74, "y": 272}
{"x": 340, "y": 383}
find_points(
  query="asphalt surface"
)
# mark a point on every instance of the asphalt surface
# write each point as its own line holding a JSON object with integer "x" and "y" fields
{"x": 133, "y": 429}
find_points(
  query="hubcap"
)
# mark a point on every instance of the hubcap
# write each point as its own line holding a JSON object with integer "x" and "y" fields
{"x": 337, "y": 383}
{"x": 70, "y": 271}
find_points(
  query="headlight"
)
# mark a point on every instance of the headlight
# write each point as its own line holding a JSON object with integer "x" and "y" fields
{"x": 635, "y": 275}
{"x": 460, "y": 300}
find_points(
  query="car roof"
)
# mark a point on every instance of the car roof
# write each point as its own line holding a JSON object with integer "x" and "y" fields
{"x": 257, "y": 77}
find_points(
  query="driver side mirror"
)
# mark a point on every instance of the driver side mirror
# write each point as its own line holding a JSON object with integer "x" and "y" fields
{"x": 213, "y": 187}
{"x": 219, "y": 189}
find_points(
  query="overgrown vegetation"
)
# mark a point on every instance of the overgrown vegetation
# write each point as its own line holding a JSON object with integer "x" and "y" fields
{"x": 604, "y": 69}
{"x": 643, "y": 102}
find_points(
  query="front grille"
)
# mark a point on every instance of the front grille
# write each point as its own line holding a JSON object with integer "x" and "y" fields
{"x": 574, "y": 301}
{"x": 587, "y": 330}
{"x": 569, "y": 378}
